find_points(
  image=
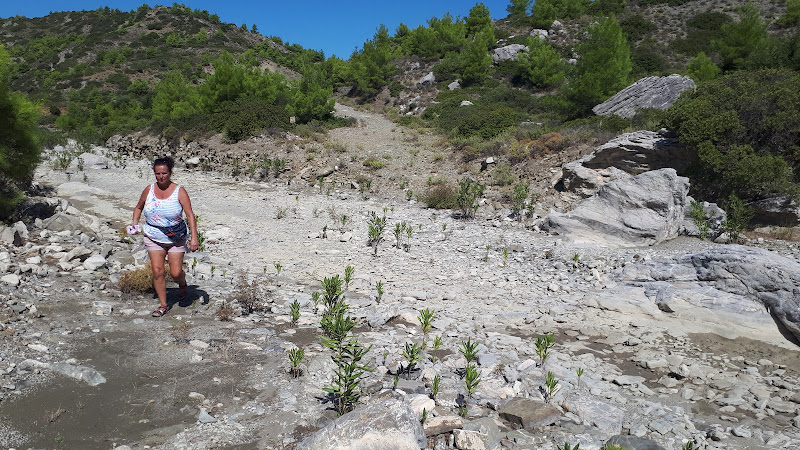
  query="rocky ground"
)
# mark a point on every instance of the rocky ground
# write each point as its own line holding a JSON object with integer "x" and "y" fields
{"x": 83, "y": 365}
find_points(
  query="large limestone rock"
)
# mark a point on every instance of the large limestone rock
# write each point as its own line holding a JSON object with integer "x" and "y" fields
{"x": 643, "y": 210}
{"x": 777, "y": 210}
{"x": 389, "y": 424}
{"x": 757, "y": 282}
{"x": 630, "y": 153}
{"x": 529, "y": 414}
{"x": 649, "y": 92}
{"x": 638, "y": 152}
{"x": 507, "y": 53}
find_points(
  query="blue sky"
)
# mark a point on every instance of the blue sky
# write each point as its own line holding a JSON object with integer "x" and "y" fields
{"x": 333, "y": 27}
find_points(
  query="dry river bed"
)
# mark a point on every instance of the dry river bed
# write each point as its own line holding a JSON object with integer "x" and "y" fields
{"x": 189, "y": 380}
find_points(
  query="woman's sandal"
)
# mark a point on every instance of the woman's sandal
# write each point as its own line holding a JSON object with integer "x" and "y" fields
{"x": 160, "y": 311}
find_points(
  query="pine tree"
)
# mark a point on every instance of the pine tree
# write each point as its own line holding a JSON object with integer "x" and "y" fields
{"x": 603, "y": 66}
{"x": 541, "y": 66}
{"x": 518, "y": 8}
{"x": 701, "y": 68}
{"x": 740, "y": 39}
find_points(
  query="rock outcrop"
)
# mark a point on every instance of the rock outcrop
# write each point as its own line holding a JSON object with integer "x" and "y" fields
{"x": 753, "y": 275}
{"x": 507, "y": 53}
{"x": 649, "y": 92}
{"x": 643, "y": 210}
{"x": 629, "y": 153}
{"x": 777, "y": 210}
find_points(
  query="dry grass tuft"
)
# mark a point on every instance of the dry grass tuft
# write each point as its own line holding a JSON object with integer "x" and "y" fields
{"x": 139, "y": 281}
{"x": 225, "y": 312}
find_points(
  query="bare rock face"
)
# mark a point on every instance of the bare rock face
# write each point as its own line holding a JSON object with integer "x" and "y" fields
{"x": 777, "y": 210}
{"x": 643, "y": 210}
{"x": 390, "y": 425}
{"x": 638, "y": 152}
{"x": 769, "y": 282}
{"x": 649, "y": 92}
{"x": 509, "y": 52}
{"x": 630, "y": 153}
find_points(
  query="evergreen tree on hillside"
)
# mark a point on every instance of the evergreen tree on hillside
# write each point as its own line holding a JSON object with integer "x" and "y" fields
{"x": 174, "y": 98}
{"x": 518, "y": 8}
{"x": 480, "y": 21}
{"x": 740, "y": 39}
{"x": 544, "y": 12}
{"x": 477, "y": 59}
{"x": 603, "y": 66}
{"x": 311, "y": 99}
{"x": 19, "y": 148}
{"x": 371, "y": 67}
{"x": 701, "y": 68}
{"x": 541, "y": 66}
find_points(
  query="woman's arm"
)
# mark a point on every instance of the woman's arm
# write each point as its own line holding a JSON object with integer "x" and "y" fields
{"x": 137, "y": 210}
{"x": 183, "y": 198}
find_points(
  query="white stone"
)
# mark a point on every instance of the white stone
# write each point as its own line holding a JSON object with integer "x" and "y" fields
{"x": 10, "y": 279}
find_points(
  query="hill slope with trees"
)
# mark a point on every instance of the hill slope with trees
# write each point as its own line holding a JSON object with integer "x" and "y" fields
{"x": 183, "y": 74}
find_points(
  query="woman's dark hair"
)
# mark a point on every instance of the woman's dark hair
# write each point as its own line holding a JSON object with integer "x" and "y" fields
{"x": 164, "y": 161}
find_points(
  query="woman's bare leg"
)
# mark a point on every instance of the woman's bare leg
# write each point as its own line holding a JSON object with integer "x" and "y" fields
{"x": 176, "y": 271}
{"x": 159, "y": 279}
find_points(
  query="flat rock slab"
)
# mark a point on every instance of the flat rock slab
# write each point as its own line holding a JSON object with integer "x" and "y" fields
{"x": 389, "y": 424}
{"x": 633, "y": 443}
{"x": 442, "y": 424}
{"x": 606, "y": 417}
{"x": 529, "y": 414}
{"x": 649, "y": 92}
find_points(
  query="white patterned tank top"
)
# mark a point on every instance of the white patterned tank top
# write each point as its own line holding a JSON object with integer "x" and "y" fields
{"x": 162, "y": 212}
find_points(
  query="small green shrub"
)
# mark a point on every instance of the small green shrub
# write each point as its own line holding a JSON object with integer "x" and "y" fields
{"x": 469, "y": 350}
{"x": 469, "y": 191}
{"x": 413, "y": 354}
{"x": 441, "y": 196}
{"x": 296, "y": 356}
{"x": 374, "y": 163}
{"x": 738, "y": 215}
{"x": 503, "y": 176}
{"x": 376, "y": 227}
{"x": 471, "y": 380}
{"x": 543, "y": 345}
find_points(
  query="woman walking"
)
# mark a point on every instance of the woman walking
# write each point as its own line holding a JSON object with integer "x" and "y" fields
{"x": 165, "y": 233}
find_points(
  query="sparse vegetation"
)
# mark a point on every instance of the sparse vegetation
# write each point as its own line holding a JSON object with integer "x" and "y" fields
{"x": 543, "y": 345}
{"x": 251, "y": 295}
{"x": 296, "y": 356}
{"x": 376, "y": 227}
{"x": 468, "y": 194}
{"x": 225, "y": 311}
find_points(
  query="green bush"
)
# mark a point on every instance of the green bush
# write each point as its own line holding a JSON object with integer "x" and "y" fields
{"x": 469, "y": 191}
{"x": 440, "y": 196}
{"x": 745, "y": 128}
{"x": 249, "y": 116}
{"x": 647, "y": 60}
{"x": 19, "y": 149}
{"x": 792, "y": 15}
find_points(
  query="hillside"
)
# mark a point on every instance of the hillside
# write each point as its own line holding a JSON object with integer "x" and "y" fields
{"x": 171, "y": 73}
{"x": 110, "y": 49}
